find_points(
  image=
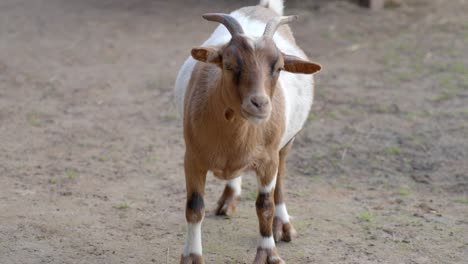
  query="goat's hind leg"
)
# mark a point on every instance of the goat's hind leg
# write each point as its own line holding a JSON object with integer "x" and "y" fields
{"x": 282, "y": 228}
{"x": 227, "y": 203}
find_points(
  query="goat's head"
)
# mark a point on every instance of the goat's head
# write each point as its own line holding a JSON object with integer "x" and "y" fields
{"x": 251, "y": 67}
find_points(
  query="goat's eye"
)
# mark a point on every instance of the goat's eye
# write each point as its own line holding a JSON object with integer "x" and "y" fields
{"x": 228, "y": 67}
{"x": 277, "y": 70}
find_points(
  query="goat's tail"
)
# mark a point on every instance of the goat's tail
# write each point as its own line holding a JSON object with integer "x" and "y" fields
{"x": 275, "y": 5}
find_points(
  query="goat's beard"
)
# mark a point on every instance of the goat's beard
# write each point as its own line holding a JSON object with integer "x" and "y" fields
{"x": 254, "y": 119}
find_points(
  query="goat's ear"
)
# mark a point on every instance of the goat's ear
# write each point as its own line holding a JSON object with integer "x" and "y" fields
{"x": 209, "y": 55}
{"x": 297, "y": 65}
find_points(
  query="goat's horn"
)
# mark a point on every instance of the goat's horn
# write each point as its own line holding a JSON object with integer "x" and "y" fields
{"x": 274, "y": 23}
{"x": 228, "y": 21}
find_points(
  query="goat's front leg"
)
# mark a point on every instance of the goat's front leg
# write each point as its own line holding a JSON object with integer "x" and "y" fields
{"x": 227, "y": 203}
{"x": 266, "y": 250}
{"x": 195, "y": 178}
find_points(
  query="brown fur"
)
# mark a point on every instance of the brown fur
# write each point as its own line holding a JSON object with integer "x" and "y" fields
{"x": 228, "y": 147}
{"x": 195, "y": 186}
{"x": 265, "y": 210}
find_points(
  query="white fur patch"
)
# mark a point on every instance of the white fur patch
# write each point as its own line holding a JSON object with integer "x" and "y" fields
{"x": 236, "y": 185}
{"x": 298, "y": 92}
{"x": 193, "y": 243}
{"x": 266, "y": 242}
{"x": 267, "y": 188}
{"x": 275, "y": 5}
{"x": 282, "y": 213}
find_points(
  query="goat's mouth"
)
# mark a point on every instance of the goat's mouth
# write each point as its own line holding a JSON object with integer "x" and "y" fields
{"x": 256, "y": 118}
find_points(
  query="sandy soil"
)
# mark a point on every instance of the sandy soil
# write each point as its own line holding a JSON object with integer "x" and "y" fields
{"x": 91, "y": 146}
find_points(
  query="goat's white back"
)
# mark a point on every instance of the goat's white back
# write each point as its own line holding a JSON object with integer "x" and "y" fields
{"x": 297, "y": 88}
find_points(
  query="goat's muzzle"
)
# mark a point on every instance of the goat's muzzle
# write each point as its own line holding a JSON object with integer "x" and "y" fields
{"x": 256, "y": 108}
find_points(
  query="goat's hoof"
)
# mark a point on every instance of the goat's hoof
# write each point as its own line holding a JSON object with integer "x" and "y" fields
{"x": 227, "y": 203}
{"x": 227, "y": 206}
{"x": 191, "y": 259}
{"x": 267, "y": 256}
{"x": 283, "y": 231}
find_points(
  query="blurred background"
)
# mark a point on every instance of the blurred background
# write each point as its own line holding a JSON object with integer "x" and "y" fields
{"x": 91, "y": 146}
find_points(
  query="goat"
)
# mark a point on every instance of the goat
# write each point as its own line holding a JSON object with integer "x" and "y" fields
{"x": 243, "y": 95}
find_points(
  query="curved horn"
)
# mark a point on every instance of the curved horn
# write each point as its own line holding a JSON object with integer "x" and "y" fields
{"x": 228, "y": 21}
{"x": 274, "y": 23}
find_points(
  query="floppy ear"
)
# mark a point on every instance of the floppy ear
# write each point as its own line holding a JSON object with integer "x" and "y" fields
{"x": 297, "y": 65}
{"x": 209, "y": 55}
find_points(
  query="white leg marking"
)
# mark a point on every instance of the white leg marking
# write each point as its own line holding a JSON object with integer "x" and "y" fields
{"x": 267, "y": 188}
{"x": 282, "y": 213}
{"x": 193, "y": 244}
{"x": 236, "y": 184}
{"x": 266, "y": 242}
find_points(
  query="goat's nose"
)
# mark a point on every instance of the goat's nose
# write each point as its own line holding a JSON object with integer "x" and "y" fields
{"x": 259, "y": 101}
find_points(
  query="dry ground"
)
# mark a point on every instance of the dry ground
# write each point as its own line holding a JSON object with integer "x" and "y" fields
{"x": 91, "y": 147}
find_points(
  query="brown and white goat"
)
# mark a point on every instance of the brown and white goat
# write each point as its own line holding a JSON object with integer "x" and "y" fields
{"x": 244, "y": 95}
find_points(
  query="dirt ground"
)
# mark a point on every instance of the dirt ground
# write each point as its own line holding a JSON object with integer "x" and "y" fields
{"x": 91, "y": 145}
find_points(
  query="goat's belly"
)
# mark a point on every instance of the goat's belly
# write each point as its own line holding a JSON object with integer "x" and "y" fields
{"x": 298, "y": 91}
{"x": 227, "y": 174}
